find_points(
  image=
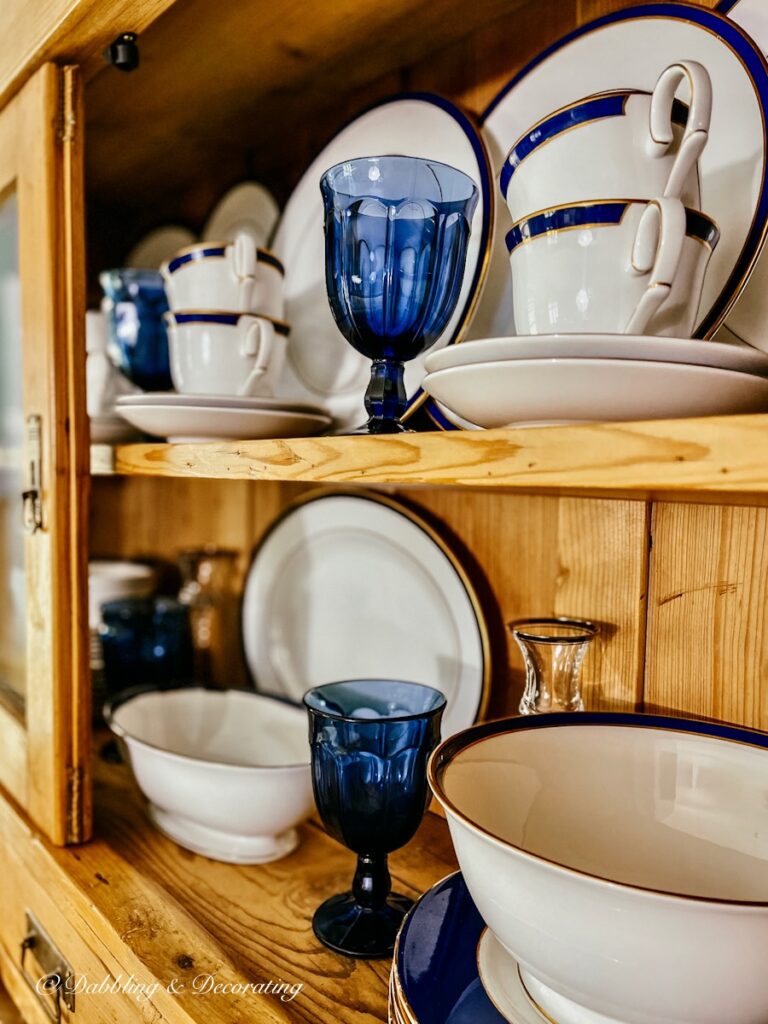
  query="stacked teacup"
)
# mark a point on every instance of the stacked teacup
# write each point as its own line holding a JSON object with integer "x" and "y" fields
{"x": 226, "y": 334}
{"x": 608, "y": 251}
{"x": 623, "y": 253}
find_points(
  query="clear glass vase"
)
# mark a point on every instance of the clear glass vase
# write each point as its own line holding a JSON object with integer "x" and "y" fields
{"x": 553, "y": 651}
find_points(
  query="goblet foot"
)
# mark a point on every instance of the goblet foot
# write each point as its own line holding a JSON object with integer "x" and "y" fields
{"x": 385, "y": 399}
{"x": 346, "y": 927}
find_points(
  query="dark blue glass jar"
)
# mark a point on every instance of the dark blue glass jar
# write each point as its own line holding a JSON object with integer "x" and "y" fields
{"x": 138, "y": 340}
{"x": 371, "y": 740}
{"x": 145, "y": 642}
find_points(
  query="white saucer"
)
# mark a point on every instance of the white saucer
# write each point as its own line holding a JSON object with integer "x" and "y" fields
{"x": 159, "y": 245}
{"x": 503, "y": 985}
{"x": 499, "y": 394}
{"x": 154, "y": 398}
{"x": 203, "y": 422}
{"x": 111, "y": 430}
{"x": 248, "y": 208}
{"x": 738, "y": 357}
{"x": 221, "y": 845}
{"x": 517, "y": 995}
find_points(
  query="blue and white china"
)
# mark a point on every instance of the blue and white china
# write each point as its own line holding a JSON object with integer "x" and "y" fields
{"x": 370, "y": 740}
{"x": 321, "y": 366}
{"x": 236, "y": 276}
{"x": 396, "y": 235}
{"x": 158, "y": 245}
{"x": 218, "y": 417}
{"x": 225, "y": 353}
{"x": 435, "y": 978}
{"x": 134, "y": 303}
{"x": 628, "y": 47}
{"x": 619, "y": 859}
{"x": 565, "y": 389}
{"x": 226, "y": 773}
{"x": 742, "y": 358}
{"x": 366, "y": 567}
{"x": 610, "y": 266}
{"x": 619, "y": 144}
{"x": 248, "y": 208}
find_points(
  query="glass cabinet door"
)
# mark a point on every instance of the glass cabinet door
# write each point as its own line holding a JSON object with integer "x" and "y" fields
{"x": 44, "y": 682}
{"x": 13, "y": 586}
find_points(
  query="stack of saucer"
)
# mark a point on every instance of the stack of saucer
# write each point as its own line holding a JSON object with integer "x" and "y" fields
{"x": 227, "y": 344}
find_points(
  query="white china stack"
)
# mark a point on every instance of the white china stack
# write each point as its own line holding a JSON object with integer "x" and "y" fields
{"x": 227, "y": 346}
{"x": 609, "y": 249}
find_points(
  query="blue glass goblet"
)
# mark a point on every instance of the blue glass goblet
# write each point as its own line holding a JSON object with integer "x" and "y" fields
{"x": 396, "y": 235}
{"x": 370, "y": 740}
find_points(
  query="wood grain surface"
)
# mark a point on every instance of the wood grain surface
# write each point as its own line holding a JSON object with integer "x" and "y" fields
{"x": 708, "y": 612}
{"x": 716, "y": 457}
{"x": 132, "y": 902}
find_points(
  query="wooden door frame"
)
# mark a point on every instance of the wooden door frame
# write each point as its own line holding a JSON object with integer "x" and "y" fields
{"x": 45, "y": 753}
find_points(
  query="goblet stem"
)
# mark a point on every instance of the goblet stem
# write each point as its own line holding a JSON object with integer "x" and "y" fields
{"x": 372, "y": 883}
{"x": 385, "y": 399}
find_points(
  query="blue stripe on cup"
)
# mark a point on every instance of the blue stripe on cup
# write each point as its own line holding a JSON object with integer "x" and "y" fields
{"x": 211, "y": 251}
{"x": 592, "y": 109}
{"x": 228, "y": 319}
{"x": 197, "y": 254}
{"x": 564, "y": 217}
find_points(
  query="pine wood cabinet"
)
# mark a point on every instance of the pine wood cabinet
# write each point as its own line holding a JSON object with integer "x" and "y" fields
{"x": 656, "y": 529}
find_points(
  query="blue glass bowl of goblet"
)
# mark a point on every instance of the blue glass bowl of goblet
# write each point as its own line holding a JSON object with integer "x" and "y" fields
{"x": 137, "y": 340}
{"x": 396, "y": 236}
{"x": 371, "y": 740}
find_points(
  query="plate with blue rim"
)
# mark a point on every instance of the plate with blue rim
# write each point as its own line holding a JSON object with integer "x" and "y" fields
{"x": 321, "y": 367}
{"x": 628, "y": 49}
{"x": 435, "y": 977}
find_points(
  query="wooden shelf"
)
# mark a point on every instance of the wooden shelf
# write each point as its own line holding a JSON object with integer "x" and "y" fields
{"x": 165, "y": 917}
{"x": 717, "y": 457}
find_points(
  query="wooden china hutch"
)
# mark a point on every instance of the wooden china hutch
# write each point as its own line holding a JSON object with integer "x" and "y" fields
{"x": 658, "y": 530}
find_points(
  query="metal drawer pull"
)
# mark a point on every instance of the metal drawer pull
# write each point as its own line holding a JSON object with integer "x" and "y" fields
{"x": 58, "y": 979}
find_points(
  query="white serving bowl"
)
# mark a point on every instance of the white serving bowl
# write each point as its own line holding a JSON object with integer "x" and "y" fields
{"x": 622, "y": 861}
{"x": 226, "y": 773}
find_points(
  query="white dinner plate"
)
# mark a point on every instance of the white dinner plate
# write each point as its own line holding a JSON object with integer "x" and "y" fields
{"x": 588, "y": 390}
{"x": 159, "y": 245}
{"x": 358, "y": 587}
{"x": 603, "y": 346}
{"x": 209, "y": 423}
{"x": 321, "y": 365}
{"x": 248, "y": 208}
{"x": 153, "y": 398}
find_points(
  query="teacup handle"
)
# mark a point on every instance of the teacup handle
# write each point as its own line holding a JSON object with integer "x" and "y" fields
{"x": 657, "y": 249}
{"x": 244, "y": 264}
{"x": 259, "y": 342}
{"x": 696, "y": 128}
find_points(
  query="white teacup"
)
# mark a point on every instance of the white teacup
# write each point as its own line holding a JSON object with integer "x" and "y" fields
{"x": 225, "y": 353}
{"x": 623, "y": 144}
{"x": 225, "y": 275}
{"x": 610, "y": 266}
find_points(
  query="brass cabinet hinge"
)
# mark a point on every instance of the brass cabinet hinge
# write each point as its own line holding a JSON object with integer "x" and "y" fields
{"x": 32, "y": 497}
{"x": 67, "y": 122}
{"x": 75, "y": 804}
{"x": 56, "y": 985}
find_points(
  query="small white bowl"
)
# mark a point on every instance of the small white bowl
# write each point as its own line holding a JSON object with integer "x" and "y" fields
{"x": 621, "y": 861}
{"x": 226, "y": 773}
